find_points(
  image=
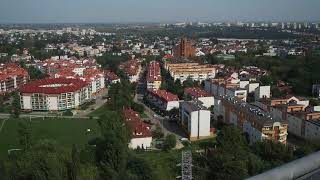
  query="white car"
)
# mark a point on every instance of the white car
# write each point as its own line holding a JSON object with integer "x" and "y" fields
{"x": 184, "y": 139}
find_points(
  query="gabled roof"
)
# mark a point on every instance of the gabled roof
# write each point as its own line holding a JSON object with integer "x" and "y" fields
{"x": 137, "y": 126}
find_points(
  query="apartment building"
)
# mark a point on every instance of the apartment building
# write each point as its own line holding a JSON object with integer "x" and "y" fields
{"x": 219, "y": 87}
{"x": 54, "y": 94}
{"x": 195, "y": 71}
{"x": 234, "y": 87}
{"x": 12, "y": 77}
{"x": 252, "y": 120}
{"x": 154, "y": 76}
{"x": 195, "y": 120}
{"x": 163, "y": 99}
{"x": 141, "y": 133}
{"x": 199, "y": 94}
{"x": 296, "y": 111}
{"x": 93, "y": 76}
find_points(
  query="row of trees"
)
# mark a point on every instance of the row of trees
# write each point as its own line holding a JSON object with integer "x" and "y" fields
{"x": 231, "y": 157}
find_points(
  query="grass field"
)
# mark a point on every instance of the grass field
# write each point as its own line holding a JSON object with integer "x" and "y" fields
{"x": 65, "y": 131}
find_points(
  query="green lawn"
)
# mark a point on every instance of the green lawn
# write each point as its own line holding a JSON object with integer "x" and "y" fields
{"x": 65, "y": 131}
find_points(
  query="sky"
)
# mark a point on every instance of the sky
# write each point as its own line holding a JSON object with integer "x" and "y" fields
{"x": 126, "y": 11}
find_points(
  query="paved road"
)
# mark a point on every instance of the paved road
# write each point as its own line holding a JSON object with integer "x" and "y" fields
{"x": 167, "y": 126}
{"x": 98, "y": 103}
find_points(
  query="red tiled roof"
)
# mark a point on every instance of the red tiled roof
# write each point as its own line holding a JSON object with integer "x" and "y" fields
{"x": 63, "y": 86}
{"x": 10, "y": 70}
{"x": 139, "y": 129}
{"x": 164, "y": 95}
{"x": 130, "y": 67}
{"x": 111, "y": 75}
{"x": 154, "y": 72}
{"x": 196, "y": 92}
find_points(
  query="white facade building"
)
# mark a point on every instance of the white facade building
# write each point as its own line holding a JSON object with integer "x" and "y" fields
{"x": 54, "y": 94}
{"x": 195, "y": 119}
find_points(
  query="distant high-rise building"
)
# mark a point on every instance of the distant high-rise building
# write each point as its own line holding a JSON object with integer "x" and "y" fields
{"x": 184, "y": 49}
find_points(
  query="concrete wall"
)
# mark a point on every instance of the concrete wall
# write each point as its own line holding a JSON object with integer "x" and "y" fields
{"x": 204, "y": 124}
{"x": 172, "y": 105}
{"x": 26, "y": 103}
{"x": 295, "y": 125}
{"x": 254, "y": 134}
{"x": 145, "y": 142}
{"x": 312, "y": 131}
{"x": 262, "y": 91}
{"x": 207, "y": 101}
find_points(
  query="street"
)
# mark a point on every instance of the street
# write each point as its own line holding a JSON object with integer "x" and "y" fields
{"x": 167, "y": 126}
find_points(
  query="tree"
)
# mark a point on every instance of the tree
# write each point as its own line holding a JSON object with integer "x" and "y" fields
{"x": 137, "y": 107}
{"x": 46, "y": 160}
{"x": 138, "y": 168}
{"x": 169, "y": 142}
{"x": 273, "y": 152}
{"x": 16, "y": 105}
{"x": 157, "y": 132}
{"x": 226, "y": 163}
{"x": 35, "y": 73}
{"x": 267, "y": 80}
{"x": 112, "y": 148}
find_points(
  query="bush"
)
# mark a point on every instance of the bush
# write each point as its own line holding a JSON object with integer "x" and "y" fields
{"x": 169, "y": 142}
{"x": 68, "y": 113}
{"x": 137, "y": 107}
{"x": 157, "y": 133}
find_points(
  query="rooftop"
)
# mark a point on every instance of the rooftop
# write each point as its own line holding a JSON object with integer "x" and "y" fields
{"x": 164, "y": 95}
{"x": 53, "y": 86}
{"x": 154, "y": 72}
{"x": 137, "y": 126}
{"x": 260, "y": 116}
{"x": 197, "y": 92}
{"x": 10, "y": 70}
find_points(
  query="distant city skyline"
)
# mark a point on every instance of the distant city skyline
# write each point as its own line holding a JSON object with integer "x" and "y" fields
{"x": 135, "y": 11}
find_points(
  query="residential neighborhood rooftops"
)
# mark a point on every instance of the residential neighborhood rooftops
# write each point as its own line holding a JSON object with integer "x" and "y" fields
{"x": 11, "y": 70}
